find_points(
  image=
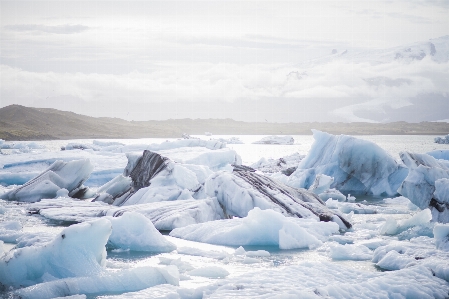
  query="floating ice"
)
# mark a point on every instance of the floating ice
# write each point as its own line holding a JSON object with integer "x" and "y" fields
{"x": 219, "y": 255}
{"x": 135, "y": 232}
{"x": 165, "y": 215}
{"x": 60, "y": 175}
{"x": 79, "y": 250}
{"x": 418, "y": 251}
{"x": 442, "y": 140}
{"x": 128, "y": 280}
{"x": 421, "y": 185}
{"x": 393, "y": 227}
{"x": 330, "y": 280}
{"x": 273, "y": 139}
{"x": 286, "y": 165}
{"x": 231, "y": 140}
{"x": 357, "y": 166}
{"x": 240, "y": 191}
{"x": 349, "y": 252}
{"x": 260, "y": 227}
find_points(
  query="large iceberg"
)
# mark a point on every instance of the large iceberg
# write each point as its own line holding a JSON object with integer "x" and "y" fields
{"x": 273, "y": 139}
{"x": 260, "y": 227}
{"x": 427, "y": 184}
{"x": 357, "y": 166}
{"x": 79, "y": 250}
{"x": 242, "y": 190}
{"x": 68, "y": 176}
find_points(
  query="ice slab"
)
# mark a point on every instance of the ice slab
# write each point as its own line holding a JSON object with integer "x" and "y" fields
{"x": 240, "y": 191}
{"x": 129, "y": 280}
{"x": 357, "y": 166}
{"x": 60, "y": 175}
{"x": 260, "y": 227}
{"x": 439, "y": 154}
{"x": 165, "y": 215}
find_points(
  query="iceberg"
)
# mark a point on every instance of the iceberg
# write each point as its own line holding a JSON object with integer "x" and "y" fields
{"x": 133, "y": 231}
{"x": 286, "y": 165}
{"x": 427, "y": 184}
{"x": 357, "y": 166}
{"x": 260, "y": 227}
{"x": 442, "y": 140}
{"x": 79, "y": 250}
{"x": 60, "y": 175}
{"x": 273, "y": 139}
{"x": 240, "y": 191}
{"x": 441, "y": 235}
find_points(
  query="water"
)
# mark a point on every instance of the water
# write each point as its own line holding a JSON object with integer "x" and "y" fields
{"x": 365, "y": 226}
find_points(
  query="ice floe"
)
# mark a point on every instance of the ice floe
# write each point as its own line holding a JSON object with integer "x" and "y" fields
{"x": 273, "y": 139}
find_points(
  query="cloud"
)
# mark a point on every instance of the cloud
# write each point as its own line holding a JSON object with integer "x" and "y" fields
{"x": 59, "y": 29}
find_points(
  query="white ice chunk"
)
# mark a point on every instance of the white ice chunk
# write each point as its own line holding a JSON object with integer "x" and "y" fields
{"x": 260, "y": 227}
{"x": 393, "y": 227}
{"x": 216, "y": 160}
{"x": 79, "y": 250}
{"x": 349, "y": 252}
{"x": 135, "y": 232}
{"x": 395, "y": 261}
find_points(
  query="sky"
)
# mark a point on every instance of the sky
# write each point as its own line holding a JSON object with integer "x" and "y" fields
{"x": 275, "y": 61}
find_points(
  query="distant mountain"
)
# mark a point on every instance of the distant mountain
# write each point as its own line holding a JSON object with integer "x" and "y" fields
{"x": 26, "y": 123}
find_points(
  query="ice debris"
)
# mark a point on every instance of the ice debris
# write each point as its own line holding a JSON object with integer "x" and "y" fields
{"x": 273, "y": 139}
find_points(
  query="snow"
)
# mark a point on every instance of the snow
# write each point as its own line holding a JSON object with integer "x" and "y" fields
{"x": 357, "y": 166}
{"x": 273, "y": 139}
{"x": 133, "y": 231}
{"x": 60, "y": 175}
{"x": 260, "y": 227}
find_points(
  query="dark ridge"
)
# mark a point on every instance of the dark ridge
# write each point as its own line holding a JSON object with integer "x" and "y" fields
{"x": 26, "y": 123}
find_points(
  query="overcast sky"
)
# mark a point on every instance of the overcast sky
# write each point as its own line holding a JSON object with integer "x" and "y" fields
{"x": 247, "y": 60}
